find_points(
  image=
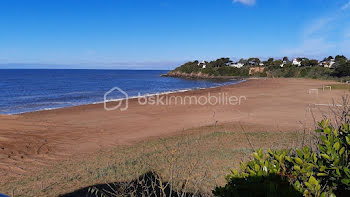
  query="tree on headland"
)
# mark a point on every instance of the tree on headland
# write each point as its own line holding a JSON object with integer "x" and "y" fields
{"x": 340, "y": 61}
{"x": 268, "y": 62}
{"x": 305, "y": 62}
{"x": 342, "y": 70}
{"x": 219, "y": 62}
{"x": 340, "y": 58}
{"x": 243, "y": 61}
{"x": 313, "y": 62}
{"x": 274, "y": 65}
{"x": 328, "y": 58}
{"x": 253, "y": 61}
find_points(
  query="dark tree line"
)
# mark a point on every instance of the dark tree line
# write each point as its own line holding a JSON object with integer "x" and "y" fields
{"x": 310, "y": 68}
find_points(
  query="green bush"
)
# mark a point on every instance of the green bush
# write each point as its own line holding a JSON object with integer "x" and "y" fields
{"x": 229, "y": 71}
{"x": 189, "y": 67}
{"x": 342, "y": 70}
{"x": 211, "y": 71}
{"x": 322, "y": 172}
{"x": 290, "y": 71}
{"x": 315, "y": 72}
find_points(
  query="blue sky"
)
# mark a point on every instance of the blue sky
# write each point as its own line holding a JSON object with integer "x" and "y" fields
{"x": 160, "y": 34}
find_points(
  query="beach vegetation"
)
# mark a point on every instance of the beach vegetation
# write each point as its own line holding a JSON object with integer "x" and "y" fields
{"x": 340, "y": 86}
{"x": 342, "y": 69}
{"x": 320, "y": 171}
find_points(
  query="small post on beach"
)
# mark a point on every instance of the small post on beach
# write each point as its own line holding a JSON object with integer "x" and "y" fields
{"x": 324, "y": 87}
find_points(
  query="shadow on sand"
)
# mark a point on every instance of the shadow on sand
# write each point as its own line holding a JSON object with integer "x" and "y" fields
{"x": 146, "y": 185}
{"x": 258, "y": 186}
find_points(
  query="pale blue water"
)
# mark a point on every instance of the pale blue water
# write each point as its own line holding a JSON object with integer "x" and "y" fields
{"x": 38, "y": 89}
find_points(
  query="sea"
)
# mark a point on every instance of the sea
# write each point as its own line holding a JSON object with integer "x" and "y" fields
{"x": 28, "y": 90}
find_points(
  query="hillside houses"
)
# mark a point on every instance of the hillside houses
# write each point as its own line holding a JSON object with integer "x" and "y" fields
{"x": 202, "y": 64}
{"x": 237, "y": 65}
{"x": 327, "y": 63}
{"x": 296, "y": 62}
{"x": 339, "y": 66}
{"x": 283, "y": 63}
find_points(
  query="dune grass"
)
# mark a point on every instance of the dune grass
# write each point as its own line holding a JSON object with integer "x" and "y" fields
{"x": 340, "y": 86}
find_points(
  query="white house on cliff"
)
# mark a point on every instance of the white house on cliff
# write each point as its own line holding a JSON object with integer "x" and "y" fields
{"x": 296, "y": 62}
{"x": 203, "y": 64}
{"x": 237, "y": 65}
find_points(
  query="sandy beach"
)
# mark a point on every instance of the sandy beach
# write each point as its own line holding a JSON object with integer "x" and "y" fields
{"x": 34, "y": 140}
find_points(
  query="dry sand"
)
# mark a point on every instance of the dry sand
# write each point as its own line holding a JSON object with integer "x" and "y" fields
{"x": 32, "y": 140}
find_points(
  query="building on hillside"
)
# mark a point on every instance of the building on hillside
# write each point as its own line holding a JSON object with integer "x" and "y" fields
{"x": 261, "y": 64}
{"x": 331, "y": 63}
{"x": 203, "y": 64}
{"x": 237, "y": 65}
{"x": 296, "y": 62}
{"x": 328, "y": 63}
{"x": 253, "y": 63}
{"x": 283, "y": 63}
{"x": 230, "y": 64}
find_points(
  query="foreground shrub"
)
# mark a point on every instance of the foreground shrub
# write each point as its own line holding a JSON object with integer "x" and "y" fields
{"x": 307, "y": 172}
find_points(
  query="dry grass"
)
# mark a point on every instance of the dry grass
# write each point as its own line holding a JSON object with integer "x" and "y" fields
{"x": 195, "y": 162}
{"x": 340, "y": 86}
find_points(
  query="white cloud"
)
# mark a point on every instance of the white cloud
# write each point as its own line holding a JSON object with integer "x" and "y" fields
{"x": 346, "y": 6}
{"x": 320, "y": 37}
{"x": 317, "y": 26}
{"x": 246, "y": 2}
{"x": 316, "y": 47}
